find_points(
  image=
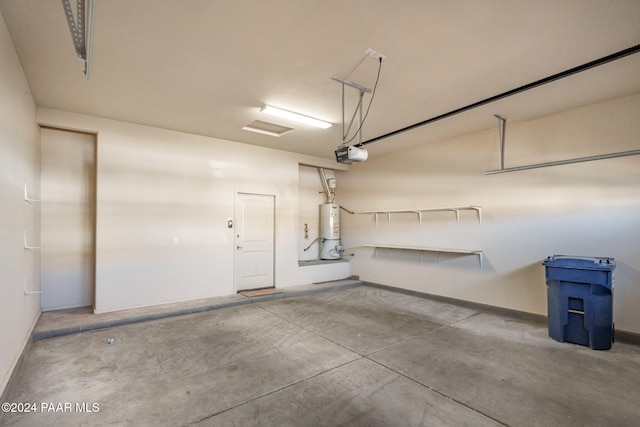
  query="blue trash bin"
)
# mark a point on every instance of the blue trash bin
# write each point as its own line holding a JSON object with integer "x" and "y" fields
{"x": 580, "y": 300}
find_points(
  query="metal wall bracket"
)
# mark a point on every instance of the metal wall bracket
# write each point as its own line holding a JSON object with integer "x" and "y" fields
{"x": 24, "y": 286}
{"x": 26, "y": 196}
{"x": 566, "y": 162}
{"x": 502, "y": 127}
{"x": 26, "y": 245}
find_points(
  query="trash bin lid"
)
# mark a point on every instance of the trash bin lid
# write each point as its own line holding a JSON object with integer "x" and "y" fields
{"x": 580, "y": 262}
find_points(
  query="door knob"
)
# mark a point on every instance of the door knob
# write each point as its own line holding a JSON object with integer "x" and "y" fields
{"x": 239, "y": 247}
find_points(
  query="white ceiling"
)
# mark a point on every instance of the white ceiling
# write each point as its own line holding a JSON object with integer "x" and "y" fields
{"x": 207, "y": 66}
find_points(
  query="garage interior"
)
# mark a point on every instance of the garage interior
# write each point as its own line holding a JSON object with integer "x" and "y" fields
{"x": 165, "y": 255}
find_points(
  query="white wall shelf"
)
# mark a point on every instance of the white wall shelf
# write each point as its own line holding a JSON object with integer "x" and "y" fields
{"x": 478, "y": 253}
{"x": 419, "y": 212}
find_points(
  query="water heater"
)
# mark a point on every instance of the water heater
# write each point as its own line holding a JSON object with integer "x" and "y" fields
{"x": 330, "y": 231}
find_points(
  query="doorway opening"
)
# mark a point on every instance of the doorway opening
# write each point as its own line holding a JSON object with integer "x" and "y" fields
{"x": 67, "y": 218}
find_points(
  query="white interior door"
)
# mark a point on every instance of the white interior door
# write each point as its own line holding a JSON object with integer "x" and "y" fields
{"x": 68, "y": 183}
{"x": 254, "y": 260}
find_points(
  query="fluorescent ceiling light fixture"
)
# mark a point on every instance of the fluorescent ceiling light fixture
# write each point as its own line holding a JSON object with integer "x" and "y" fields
{"x": 289, "y": 115}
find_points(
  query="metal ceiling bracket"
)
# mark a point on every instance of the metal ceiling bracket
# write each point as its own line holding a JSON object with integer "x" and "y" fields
{"x": 89, "y": 45}
{"x": 358, "y": 111}
{"x": 502, "y": 127}
{"x": 566, "y": 162}
{"x": 81, "y": 34}
{"x": 76, "y": 28}
{"x": 352, "y": 84}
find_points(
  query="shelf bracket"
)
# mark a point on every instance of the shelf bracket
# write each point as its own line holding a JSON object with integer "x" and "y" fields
{"x": 388, "y": 214}
{"x": 24, "y": 286}
{"x": 26, "y": 195}
{"x": 457, "y": 215}
{"x": 478, "y": 210}
{"x": 419, "y": 216}
{"x": 26, "y": 245}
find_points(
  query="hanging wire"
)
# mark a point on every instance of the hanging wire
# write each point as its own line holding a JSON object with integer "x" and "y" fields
{"x": 373, "y": 94}
{"x": 366, "y": 55}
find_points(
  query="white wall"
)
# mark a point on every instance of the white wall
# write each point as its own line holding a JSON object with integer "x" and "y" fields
{"x": 590, "y": 209}
{"x": 155, "y": 184}
{"x": 19, "y": 162}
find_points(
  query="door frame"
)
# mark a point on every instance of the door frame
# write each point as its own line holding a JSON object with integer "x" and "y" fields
{"x": 92, "y": 206}
{"x": 235, "y": 233}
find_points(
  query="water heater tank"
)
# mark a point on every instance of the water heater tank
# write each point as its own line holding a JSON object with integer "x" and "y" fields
{"x": 329, "y": 221}
{"x": 330, "y": 231}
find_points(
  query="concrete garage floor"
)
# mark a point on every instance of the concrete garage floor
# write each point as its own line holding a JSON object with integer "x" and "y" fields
{"x": 361, "y": 356}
